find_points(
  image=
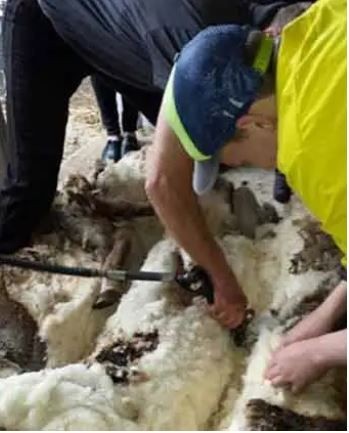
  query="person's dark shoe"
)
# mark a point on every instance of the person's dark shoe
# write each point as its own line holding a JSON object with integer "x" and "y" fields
{"x": 112, "y": 150}
{"x": 282, "y": 192}
{"x": 129, "y": 144}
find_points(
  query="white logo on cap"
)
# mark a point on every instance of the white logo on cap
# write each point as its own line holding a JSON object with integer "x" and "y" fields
{"x": 227, "y": 114}
{"x": 236, "y": 103}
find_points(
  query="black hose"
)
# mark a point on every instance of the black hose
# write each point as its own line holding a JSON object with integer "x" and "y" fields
{"x": 50, "y": 268}
{"x": 116, "y": 275}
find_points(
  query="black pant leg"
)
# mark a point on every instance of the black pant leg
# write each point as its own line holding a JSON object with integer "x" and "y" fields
{"x": 147, "y": 102}
{"x": 129, "y": 116}
{"x": 42, "y": 73}
{"x": 2, "y": 146}
{"x": 106, "y": 99}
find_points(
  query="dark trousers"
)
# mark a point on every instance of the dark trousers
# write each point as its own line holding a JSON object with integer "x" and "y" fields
{"x": 108, "y": 106}
{"x": 2, "y": 146}
{"x": 42, "y": 74}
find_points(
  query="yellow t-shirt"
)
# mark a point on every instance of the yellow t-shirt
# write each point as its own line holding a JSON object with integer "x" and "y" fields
{"x": 311, "y": 93}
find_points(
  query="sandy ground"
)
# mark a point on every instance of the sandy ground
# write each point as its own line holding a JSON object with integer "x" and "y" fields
{"x": 84, "y": 120}
{"x": 84, "y": 134}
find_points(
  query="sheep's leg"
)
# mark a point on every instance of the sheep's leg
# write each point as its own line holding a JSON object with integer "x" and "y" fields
{"x": 111, "y": 290}
{"x": 227, "y": 188}
{"x": 247, "y": 211}
{"x": 121, "y": 208}
{"x": 98, "y": 169}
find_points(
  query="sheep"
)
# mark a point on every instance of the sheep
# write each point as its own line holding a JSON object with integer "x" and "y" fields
{"x": 156, "y": 360}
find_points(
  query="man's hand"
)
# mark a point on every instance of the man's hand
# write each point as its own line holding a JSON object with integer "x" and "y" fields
{"x": 230, "y": 302}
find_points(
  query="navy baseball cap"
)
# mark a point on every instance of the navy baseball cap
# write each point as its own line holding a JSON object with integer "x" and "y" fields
{"x": 210, "y": 87}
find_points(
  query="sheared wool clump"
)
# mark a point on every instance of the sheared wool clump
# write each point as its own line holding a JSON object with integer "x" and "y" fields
{"x": 71, "y": 398}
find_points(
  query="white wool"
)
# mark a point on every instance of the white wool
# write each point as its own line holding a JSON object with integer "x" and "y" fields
{"x": 254, "y": 385}
{"x": 125, "y": 179}
{"x": 61, "y": 306}
{"x": 262, "y": 268}
{"x": 217, "y": 213}
{"x": 71, "y": 398}
{"x": 70, "y": 331}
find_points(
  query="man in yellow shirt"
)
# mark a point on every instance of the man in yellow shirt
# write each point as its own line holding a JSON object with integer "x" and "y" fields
{"x": 225, "y": 102}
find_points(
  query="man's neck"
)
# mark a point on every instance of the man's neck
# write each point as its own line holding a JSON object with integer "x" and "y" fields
{"x": 274, "y": 59}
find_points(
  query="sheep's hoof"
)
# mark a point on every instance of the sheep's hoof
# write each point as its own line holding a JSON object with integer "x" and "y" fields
{"x": 106, "y": 299}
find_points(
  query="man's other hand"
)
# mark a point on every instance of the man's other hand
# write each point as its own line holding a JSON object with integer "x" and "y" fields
{"x": 229, "y": 308}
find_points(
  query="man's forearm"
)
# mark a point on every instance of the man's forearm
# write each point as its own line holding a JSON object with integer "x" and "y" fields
{"x": 170, "y": 191}
{"x": 333, "y": 347}
{"x": 182, "y": 217}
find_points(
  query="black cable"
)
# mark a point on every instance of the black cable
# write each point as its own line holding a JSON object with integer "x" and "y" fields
{"x": 50, "y": 268}
{"x": 116, "y": 275}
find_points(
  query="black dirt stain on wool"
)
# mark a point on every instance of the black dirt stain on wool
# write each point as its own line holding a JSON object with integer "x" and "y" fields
{"x": 120, "y": 359}
{"x": 263, "y": 416}
{"x": 20, "y": 344}
{"x": 319, "y": 251}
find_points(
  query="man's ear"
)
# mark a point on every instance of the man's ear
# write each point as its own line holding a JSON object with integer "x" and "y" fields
{"x": 245, "y": 122}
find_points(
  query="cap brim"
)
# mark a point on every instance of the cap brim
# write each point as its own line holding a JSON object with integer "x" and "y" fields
{"x": 205, "y": 174}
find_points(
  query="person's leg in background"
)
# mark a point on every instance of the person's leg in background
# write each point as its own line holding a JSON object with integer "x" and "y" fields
{"x": 282, "y": 191}
{"x": 129, "y": 127}
{"x": 42, "y": 73}
{"x": 149, "y": 105}
{"x": 106, "y": 98}
{"x": 148, "y": 102}
{"x": 2, "y": 145}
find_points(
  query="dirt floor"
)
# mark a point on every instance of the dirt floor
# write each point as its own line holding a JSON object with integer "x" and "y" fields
{"x": 84, "y": 120}
{"x": 84, "y": 134}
